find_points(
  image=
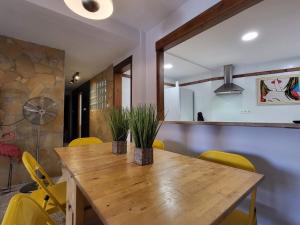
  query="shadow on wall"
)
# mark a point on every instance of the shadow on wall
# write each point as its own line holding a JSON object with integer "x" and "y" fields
{"x": 278, "y": 195}
{"x": 275, "y": 182}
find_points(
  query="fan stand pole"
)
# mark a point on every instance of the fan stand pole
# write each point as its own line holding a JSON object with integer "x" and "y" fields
{"x": 28, "y": 188}
{"x": 37, "y": 146}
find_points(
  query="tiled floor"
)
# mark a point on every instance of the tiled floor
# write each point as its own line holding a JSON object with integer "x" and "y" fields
{"x": 4, "y": 199}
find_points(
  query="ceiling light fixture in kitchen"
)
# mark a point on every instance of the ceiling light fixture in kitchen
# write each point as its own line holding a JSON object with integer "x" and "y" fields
{"x": 91, "y": 9}
{"x": 168, "y": 66}
{"x": 250, "y": 36}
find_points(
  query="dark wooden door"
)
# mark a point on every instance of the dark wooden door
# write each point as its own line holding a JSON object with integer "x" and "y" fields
{"x": 81, "y": 112}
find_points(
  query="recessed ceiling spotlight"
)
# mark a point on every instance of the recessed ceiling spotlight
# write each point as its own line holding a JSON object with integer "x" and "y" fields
{"x": 250, "y": 36}
{"x": 91, "y": 9}
{"x": 76, "y": 76}
{"x": 168, "y": 66}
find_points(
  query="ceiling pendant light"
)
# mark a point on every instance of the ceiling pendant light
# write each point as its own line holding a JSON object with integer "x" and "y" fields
{"x": 91, "y": 9}
{"x": 90, "y": 5}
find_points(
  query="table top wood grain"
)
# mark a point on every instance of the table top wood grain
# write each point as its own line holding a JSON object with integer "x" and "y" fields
{"x": 176, "y": 189}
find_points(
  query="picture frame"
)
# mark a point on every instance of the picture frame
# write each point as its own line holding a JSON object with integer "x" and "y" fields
{"x": 278, "y": 90}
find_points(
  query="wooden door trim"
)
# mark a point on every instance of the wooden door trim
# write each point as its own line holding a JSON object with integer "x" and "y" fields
{"x": 120, "y": 69}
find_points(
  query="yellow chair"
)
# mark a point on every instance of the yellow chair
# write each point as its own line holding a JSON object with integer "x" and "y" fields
{"x": 23, "y": 210}
{"x": 237, "y": 217}
{"x": 158, "y": 144}
{"x": 55, "y": 194}
{"x": 85, "y": 141}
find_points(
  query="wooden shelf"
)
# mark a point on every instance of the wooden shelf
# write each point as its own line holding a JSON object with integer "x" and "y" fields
{"x": 242, "y": 124}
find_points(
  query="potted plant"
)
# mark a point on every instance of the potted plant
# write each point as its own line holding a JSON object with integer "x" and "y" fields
{"x": 118, "y": 121}
{"x": 144, "y": 125}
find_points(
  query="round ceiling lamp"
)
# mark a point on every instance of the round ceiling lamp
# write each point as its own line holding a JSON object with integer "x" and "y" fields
{"x": 91, "y": 9}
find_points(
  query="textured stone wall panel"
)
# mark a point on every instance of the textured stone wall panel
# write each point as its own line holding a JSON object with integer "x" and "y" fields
{"x": 29, "y": 70}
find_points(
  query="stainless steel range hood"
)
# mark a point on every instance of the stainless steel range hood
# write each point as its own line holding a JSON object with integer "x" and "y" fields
{"x": 229, "y": 88}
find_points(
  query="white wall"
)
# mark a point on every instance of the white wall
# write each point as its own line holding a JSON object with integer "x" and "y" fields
{"x": 126, "y": 94}
{"x": 138, "y": 70}
{"x": 274, "y": 151}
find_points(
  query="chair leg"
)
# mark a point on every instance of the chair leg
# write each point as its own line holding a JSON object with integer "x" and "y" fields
{"x": 9, "y": 180}
{"x": 10, "y": 174}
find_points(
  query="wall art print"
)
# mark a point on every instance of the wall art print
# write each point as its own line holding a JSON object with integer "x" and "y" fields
{"x": 278, "y": 90}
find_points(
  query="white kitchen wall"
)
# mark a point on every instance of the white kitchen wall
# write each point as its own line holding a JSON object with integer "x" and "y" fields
{"x": 244, "y": 107}
{"x": 274, "y": 151}
{"x": 172, "y": 103}
{"x": 179, "y": 104}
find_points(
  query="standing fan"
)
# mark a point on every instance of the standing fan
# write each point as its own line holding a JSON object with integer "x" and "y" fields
{"x": 38, "y": 111}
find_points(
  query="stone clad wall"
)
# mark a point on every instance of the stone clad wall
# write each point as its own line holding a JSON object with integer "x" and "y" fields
{"x": 29, "y": 70}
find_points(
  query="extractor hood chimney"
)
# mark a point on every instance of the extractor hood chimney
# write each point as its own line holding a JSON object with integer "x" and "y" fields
{"x": 229, "y": 88}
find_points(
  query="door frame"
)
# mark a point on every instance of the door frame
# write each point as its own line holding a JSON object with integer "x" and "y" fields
{"x": 218, "y": 13}
{"x": 118, "y": 71}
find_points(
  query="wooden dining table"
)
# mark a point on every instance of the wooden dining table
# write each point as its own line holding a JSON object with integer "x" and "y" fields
{"x": 175, "y": 189}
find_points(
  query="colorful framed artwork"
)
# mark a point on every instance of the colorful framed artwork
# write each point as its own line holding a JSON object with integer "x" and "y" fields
{"x": 278, "y": 90}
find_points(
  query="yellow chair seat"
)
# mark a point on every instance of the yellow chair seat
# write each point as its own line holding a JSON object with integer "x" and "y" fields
{"x": 23, "y": 210}
{"x": 237, "y": 217}
{"x": 85, "y": 141}
{"x": 58, "y": 190}
{"x": 158, "y": 144}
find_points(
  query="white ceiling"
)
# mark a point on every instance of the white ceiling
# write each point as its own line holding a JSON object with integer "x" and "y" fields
{"x": 181, "y": 67}
{"x": 276, "y": 21}
{"x": 144, "y": 14}
{"x": 90, "y": 46}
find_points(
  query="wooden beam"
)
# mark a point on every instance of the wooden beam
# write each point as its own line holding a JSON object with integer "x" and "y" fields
{"x": 218, "y": 13}
{"x": 169, "y": 84}
{"x": 267, "y": 72}
{"x": 201, "y": 81}
{"x": 254, "y": 74}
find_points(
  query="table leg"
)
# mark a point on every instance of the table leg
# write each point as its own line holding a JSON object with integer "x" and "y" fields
{"x": 75, "y": 202}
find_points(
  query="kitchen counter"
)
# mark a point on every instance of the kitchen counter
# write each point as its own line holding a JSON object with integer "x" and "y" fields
{"x": 243, "y": 124}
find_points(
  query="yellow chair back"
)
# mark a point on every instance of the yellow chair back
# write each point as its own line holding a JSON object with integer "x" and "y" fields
{"x": 228, "y": 159}
{"x": 236, "y": 161}
{"x": 23, "y": 210}
{"x": 158, "y": 144}
{"x": 39, "y": 175}
{"x": 85, "y": 141}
